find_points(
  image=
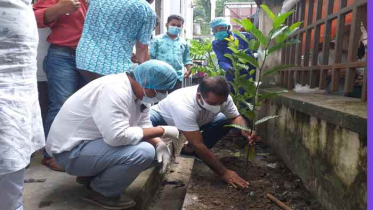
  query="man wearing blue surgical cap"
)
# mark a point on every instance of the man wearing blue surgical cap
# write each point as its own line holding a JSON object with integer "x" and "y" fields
{"x": 104, "y": 136}
{"x": 221, "y": 30}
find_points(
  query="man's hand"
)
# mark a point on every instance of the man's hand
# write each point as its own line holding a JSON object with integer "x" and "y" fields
{"x": 251, "y": 139}
{"x": 187, "y": 73}
{"x": 170, "y": 132}
{"x": 68, "y": 6}
{"x": 134, "y": 58}
{"x": 234, "y": 179}
{"x": 163, "y": 155}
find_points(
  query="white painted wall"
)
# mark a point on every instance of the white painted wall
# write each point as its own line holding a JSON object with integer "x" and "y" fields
{"x": 178, "y": 7}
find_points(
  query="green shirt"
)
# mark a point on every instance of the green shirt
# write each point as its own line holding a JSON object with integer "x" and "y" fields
{"x": 172, "y": 51}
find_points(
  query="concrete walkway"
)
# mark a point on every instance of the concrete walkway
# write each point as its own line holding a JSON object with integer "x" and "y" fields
{"x": 61, "y": 192}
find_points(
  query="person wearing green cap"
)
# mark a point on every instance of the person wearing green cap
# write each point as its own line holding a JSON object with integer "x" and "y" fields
{"x": 221, "y": 30}
{"x": 104, "y": 136}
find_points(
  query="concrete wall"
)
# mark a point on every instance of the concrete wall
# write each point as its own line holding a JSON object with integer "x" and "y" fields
{"x": 265, "y": 25}
{"x": 323, "y": 140}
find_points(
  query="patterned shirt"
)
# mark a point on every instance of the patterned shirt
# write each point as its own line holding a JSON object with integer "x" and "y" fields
{"x": 110, "y": 31}
{"x": 172, "y": 51}
{"x": 21, "y": 129}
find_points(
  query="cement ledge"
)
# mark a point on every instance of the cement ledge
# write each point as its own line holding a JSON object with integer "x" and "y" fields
{"x": 349, "y": 113}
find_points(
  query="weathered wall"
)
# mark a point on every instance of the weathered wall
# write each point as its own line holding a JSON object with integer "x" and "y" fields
{"x": 265, "y": 25}
{"x": 325, "y": 146}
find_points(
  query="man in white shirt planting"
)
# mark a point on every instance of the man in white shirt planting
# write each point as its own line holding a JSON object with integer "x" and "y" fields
{"x": 103, "y": 133}
{"x": 201, "y": 113}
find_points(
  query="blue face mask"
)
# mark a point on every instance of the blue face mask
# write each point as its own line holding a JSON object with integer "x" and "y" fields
{"x": 175, "y": 31}
{"x": 221, "y": 35}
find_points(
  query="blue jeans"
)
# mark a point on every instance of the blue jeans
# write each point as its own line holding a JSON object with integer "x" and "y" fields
{"x": 113, "y": 168}
{"x": 63, "y": 80}
{"x": 212, "y": 132}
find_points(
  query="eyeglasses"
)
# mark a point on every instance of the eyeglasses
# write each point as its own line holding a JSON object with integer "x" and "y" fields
{"x": 220, "y": 28}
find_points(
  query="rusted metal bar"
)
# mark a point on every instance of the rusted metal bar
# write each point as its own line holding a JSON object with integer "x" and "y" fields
{"x": 333, "y": 16}
{"x": 315, "y": 74}
{"x": 364, "y": 88}
{"x": 326, "y": 45}
{"x": 356, "y": 64}
{"x": 308, "y": 33}
{"x": 338, "y": 46}
{"x": 353, "y": 46}
{"x": 291, "y": 80}
{"x": 279, "y": 203}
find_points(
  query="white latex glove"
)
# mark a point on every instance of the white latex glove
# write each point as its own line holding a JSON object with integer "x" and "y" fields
{"x": 163, "y": 155}
{"x": 170, "y": 132}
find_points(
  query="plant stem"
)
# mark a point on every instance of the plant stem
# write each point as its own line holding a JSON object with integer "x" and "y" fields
{"x": 259, "y": 80}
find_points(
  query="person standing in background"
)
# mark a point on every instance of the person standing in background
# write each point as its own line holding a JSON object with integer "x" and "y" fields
{"x": 111, "y": 30}
{"x": 65, "y": 18}
{"x": 21, "y": 128}
{"x": 173, "y": 49}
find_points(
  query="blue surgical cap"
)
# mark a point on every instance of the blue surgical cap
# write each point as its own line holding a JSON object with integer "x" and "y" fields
{"x": 219, "y": 21}
{"x": 155, "y": 74}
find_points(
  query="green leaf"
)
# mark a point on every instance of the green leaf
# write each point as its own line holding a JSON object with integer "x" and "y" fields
{"x": 252, "y": 72}
{"x": 281, "y": 18}
{"x": 295, "y": 26}
{"x": 247, "y": 104}
{"x": 237, "y": 154}
{"x": 281, "y": 38}
{"x": 247, "y": 24}
{"x": 237, "y": 21}
{"x": 276, "y": 69}
{"x": 282, "y": 45}
{"x": 270, "y": 95}
{"x": 238, "y": 127}
{"x": 277, "y": 32}
{"x": 234, "y": 49}
{"x": 247, "y": 58}
{"x": 241, "y": 36}
{"x": 269, "y": 12}
{"x": 250, "y": 27}
{"x": 266, "y": 119}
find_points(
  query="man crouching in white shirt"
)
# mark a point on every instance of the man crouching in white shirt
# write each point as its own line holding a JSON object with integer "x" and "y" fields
{"x": 103, "y": 133}
{"x": 207, "y": 107}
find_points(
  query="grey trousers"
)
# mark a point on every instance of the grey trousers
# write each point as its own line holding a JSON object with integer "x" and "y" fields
{"x": 114, "y": 168}
{"x": 11, "y": 190}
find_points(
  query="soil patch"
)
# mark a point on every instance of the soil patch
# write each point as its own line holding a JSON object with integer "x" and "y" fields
{"x": 266, "y": 175}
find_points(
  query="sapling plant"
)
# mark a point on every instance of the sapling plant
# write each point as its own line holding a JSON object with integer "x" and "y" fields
{"x": 263, "y": 46}
{"x": 201, "y": 50}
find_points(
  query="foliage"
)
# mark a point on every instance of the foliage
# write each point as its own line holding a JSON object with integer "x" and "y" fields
{"x": 263, "y": 45}
{"x": 201, "y": 51}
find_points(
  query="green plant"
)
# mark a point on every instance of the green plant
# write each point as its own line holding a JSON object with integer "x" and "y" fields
{"x": 264, "y": 45}
{"x": 201, "y": 52}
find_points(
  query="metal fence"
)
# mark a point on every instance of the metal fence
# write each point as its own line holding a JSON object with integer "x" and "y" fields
{"x": 331, "y": 54}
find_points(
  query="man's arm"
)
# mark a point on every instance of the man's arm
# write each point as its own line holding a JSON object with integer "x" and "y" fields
{"x": 47, "y": 12}
{"x": 187, "y": 60}
{"x": 251, "y": 138}
{"x": 196, "y": 140}
{"x": 141, "y": 52}
{"x": 223, "y": 61}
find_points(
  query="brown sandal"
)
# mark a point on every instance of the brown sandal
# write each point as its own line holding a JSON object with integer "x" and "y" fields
{"x": 50, "y": 163}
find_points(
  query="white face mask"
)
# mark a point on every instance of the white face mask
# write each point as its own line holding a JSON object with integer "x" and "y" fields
{"x": 158, "y": 97}
{"x": 214, "y": 109}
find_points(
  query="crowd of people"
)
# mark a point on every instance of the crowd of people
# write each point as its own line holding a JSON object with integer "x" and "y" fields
{"x": 100, "y": 125}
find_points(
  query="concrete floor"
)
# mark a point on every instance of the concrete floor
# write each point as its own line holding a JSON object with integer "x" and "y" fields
{"x": 60, "y": 191}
